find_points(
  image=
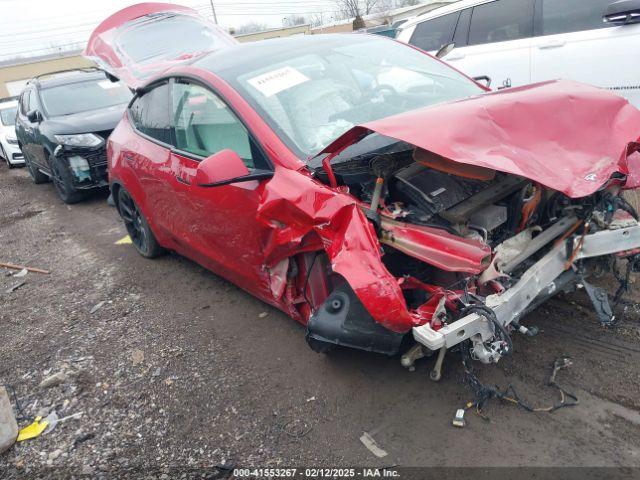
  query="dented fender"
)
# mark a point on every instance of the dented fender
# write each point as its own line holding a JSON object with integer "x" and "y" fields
{"x": 301, "y": 210}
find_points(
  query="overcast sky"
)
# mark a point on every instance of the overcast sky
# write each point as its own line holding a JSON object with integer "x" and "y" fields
{"x": 31, "y": 27}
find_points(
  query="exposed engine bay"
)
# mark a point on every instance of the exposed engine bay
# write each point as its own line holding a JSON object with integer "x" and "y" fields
{"x": 475, "y": 249}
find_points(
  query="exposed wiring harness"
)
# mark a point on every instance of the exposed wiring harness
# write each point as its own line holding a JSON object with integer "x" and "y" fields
{"x": 498, "y": 329}
{"x": 483, "y": 393}
{"x": 632, "y": 265}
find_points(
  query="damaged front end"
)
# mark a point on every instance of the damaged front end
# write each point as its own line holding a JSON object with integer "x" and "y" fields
{"x": 458, "y": 251}
{"x": 473, "y": 250}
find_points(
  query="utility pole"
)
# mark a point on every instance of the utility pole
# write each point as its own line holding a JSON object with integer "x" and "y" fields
{"x": 213, "y": 9}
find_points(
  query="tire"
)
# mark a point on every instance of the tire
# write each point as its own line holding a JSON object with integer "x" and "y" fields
{"x": 5, "y": 156}
{"x": 137, "y": 226}
{"x": 63, "y": 181}
{"x": 37, "y": 176}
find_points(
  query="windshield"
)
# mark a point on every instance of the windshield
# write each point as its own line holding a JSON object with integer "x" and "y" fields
{"x": 315, "y": 94}
{"x": 8, "y": 116}
{"x": 83, "y": 96}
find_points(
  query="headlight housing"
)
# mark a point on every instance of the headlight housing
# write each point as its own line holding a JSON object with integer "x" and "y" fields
{"x": 80, "y": 140}
{"x": 12, "y": 140}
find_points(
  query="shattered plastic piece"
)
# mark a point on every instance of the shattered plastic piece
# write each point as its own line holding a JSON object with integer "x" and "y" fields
{"x": 263, "y": 315}
{"x": 52, "y": 420}
{"x": 8, "y": 425}
{"x": 14, "y": 287}
{"x": 97, "y": 306}
{"x": 368, "y": 441}
{"x": 124, "y": 241}
{"x": 32, "y": 431}
{"x": 458, "y": 420}
{"x": 21, "y": 273}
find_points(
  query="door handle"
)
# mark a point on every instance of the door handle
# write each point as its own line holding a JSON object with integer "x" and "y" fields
{"x": 552, "y": 44}
{"x": 182, "y": 180}
{"x": 454, "y": 56}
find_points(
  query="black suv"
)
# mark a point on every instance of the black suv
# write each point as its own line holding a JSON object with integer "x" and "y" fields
{"x": 63, "y": 122}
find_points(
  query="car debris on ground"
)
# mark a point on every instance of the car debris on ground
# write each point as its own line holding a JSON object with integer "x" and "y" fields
{"x": 14, "y": 287}
{"x": 22, "y": 267}
{"x": 369, "y": 442}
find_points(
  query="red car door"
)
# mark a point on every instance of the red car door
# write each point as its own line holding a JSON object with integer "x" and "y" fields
{"x": 220, "y": 230}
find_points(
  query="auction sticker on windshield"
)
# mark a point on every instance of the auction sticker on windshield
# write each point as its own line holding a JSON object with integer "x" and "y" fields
{"x": 276, "y": 81}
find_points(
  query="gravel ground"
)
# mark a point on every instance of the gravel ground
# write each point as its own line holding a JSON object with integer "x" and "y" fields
{"x": 166, "y": 366}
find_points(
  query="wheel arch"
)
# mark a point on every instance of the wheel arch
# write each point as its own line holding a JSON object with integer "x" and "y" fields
{"x": 115, "y": 190}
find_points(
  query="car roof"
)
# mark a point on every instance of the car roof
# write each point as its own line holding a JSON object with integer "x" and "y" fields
{"x": 438, "y": 12}
{"x": 66, "y": 77}
{"x": 232, "y": 57}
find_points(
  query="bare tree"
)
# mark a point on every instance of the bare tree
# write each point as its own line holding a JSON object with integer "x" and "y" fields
{"x": 250, "y": 27}
{"x": 318, "y": 19}
{"x": 294, "y": 20}
{"x": 355, "y": 8}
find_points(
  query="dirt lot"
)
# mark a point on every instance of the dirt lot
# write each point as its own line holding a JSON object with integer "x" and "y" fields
{"x": 180, "y": 368}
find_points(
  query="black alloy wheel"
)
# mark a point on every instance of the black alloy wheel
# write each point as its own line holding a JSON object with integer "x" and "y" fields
{"x": 62, "y": 180}
{"x": 137, "y": 227}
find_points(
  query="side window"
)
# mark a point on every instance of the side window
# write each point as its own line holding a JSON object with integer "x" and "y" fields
{"x": 150, "y": 113}
{"x": 204, "y": 125}
{"x": 564, "y": 16}
{"x": 433, "y": 34}
{"x": 500, "y": 21}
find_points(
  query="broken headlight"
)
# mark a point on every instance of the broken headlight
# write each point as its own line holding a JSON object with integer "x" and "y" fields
{"x": 80, "y": 140}
{"x": 80, "y": 168}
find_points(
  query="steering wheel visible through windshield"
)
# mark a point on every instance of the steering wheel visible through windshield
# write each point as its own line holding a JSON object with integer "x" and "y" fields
{"x": 326, "y": 88}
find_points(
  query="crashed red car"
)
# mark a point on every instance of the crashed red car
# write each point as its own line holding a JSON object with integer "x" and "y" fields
{"x": 365, "y": 188}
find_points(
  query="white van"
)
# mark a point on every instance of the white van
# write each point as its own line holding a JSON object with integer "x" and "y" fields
{"x": 515, "y": 42}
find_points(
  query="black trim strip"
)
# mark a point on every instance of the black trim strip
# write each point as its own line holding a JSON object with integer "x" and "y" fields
{"x": 255, "y": 175}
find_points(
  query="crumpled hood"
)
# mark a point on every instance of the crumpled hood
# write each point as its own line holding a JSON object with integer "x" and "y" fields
{"x": 565, "y": 135}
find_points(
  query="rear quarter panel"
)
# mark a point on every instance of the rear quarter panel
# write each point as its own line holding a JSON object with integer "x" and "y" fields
{"x": 123, "y": 174}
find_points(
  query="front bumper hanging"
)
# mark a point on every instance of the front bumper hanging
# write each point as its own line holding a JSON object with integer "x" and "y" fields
{"x": 544, "y": 278}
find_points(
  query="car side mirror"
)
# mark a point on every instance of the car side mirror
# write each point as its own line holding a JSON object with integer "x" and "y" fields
{"x": 219, "y": 168}
{"x": 623, "y": 12}
{"x": 483, "y": 80}
{"x": 445, "y": 50}
{"x": 34, "y": 116}
{"x": 225, "y": 167}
